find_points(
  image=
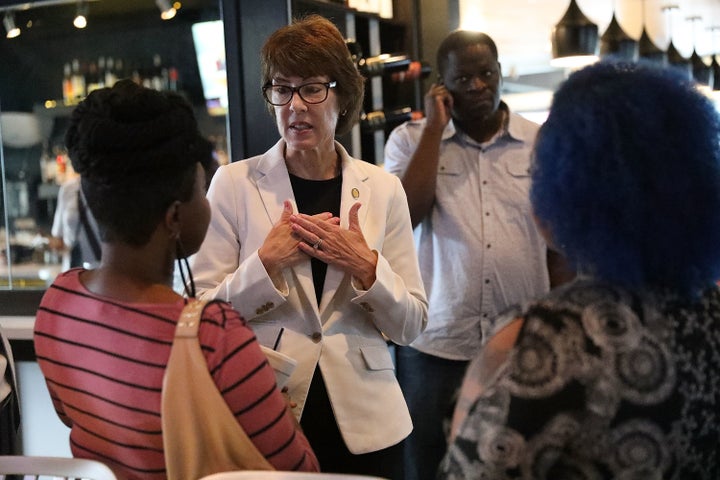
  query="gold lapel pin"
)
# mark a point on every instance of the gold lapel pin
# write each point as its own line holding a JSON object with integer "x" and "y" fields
{"x": 355, "y": 193}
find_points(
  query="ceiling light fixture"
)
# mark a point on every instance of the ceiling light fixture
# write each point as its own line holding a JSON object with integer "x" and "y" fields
{"x": 167, "y": 11}
{"x": 714, "y": 65}
{"x": 701, "y": 72}
{"x": 647, "y": 50}
{"x": 574, "y": 39}
{"x": 674, "y": 57}
{"x": 9, "y": 23}
{"x": 80, "y": 20}
{"x": 618, "y": 44}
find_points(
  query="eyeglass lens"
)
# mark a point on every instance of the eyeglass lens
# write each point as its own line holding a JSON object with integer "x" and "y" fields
{"x": 310, "y": 93}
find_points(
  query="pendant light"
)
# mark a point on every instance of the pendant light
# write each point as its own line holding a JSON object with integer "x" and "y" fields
{"x": 677, "y": 61}
{"x": 618, "y": 44}
{"x": 714, "y": 65}
{"x": 674, "y": 57}
{"x": 701, "y": 72}
{"x": 81, "y": 10}
{"x": 167, "y": 11}
{"x": 11, "y": 29}
{"x": 647, "y": 50}
{"x": 574, "y": 39}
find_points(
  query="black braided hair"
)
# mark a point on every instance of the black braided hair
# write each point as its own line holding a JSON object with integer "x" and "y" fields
{"x": 136, "y": 151}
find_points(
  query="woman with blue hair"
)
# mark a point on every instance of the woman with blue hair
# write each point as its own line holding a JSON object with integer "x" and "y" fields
{"x": 617, "y": 374}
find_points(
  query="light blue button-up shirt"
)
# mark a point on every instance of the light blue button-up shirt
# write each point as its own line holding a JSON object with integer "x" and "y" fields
{"x": 479, "y": 248}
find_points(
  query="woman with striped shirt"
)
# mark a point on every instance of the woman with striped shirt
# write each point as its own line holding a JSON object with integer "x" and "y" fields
{"x": 103, "y": 336}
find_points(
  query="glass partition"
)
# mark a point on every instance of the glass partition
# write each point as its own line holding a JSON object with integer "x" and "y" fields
{"x": 51, "y": 66}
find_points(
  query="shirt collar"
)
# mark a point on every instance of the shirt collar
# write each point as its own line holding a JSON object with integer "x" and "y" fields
{"x": 509, "y": 129}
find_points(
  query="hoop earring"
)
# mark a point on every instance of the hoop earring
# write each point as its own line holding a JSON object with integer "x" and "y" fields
{"x": 184, "y": 265}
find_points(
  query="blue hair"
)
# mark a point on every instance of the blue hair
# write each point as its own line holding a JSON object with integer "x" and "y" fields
{"x": 626, "y": 177}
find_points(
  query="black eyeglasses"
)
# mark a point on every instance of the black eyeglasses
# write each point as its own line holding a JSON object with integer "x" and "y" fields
{"x": 315, "y": 92}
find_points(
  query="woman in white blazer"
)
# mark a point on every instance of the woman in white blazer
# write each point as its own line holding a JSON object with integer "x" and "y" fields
{"x": 315, "y": 249}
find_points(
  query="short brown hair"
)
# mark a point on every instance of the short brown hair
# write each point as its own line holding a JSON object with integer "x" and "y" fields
{"x": 313, "y": 46}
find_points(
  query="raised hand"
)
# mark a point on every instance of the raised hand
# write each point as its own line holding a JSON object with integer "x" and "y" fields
{"x": 280, "y": 248}
{"x": 344, "y": 248}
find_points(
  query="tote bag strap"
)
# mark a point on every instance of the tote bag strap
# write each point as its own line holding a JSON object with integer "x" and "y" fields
{"x": 200, "y": 434}
{"x": 90, "y": 233}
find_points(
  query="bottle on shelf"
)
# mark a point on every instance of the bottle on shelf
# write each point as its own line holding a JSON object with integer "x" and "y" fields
{"x": 173, "y": 79}
{"x": 78, "y": 81}
{"x": 67, "y": 85}
{"x": 109, "y": 75}
{"x": 92, "y": 78}
{"x": 416, "y": 70}
{"x": 158, "y": 74}
{"x": 119, "y": 69}
{"x": 381, "y": 119}
{"x": 383, "y": 64}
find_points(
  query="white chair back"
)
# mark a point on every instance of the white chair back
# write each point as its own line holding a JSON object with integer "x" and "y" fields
{"x": 55, "y": 467}
{"x": 271, "y": 475}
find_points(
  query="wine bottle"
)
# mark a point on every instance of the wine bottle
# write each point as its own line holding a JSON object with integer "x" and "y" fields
{"x": 92, "y": 78}
{"x": 67, "y": 85}
{"x": 78, "y": 81}
{"x": 380, "y": 119}
{"x": 415, "y": 70}
{"x": 173, "y": 79}
{"x": 158, "y": 80}
{"x": 383, "y": 64}
{"x": 109, "y": 74}
{"x": 120, "y": 69}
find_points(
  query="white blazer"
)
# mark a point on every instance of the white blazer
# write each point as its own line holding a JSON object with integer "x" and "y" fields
{"x": 346, "y": 335}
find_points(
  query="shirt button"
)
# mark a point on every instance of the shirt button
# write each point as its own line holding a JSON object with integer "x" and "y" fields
{"x": 487, "y": 280}
{"x": 316, "y": 337}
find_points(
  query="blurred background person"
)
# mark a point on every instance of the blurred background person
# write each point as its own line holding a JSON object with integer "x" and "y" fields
{"x": 465, "y": 168}
{"x": 617, "y": 374}
{"x": 315, "y": 249}
{"x": 74, "y": 230}
{"x": 103, "y": 336}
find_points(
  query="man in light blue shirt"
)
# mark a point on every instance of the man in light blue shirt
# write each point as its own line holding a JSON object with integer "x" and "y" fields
{"x": 465, "y": 169}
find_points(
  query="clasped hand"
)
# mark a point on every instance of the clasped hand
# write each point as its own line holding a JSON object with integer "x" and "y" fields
{"x": 296, "y": 236}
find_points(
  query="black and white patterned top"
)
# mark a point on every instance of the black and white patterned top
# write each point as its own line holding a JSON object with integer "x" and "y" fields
{"x": 602, "y": 383}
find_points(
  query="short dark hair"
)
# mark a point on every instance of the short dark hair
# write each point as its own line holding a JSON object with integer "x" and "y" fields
{"x": 458, "y": 40}
{"x": 136, "y": 150}
{"x": 313, "y": 46}
{"x": 627, "y": 177}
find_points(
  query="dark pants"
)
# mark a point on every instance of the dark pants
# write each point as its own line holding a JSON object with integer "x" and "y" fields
{"x": 430, "y": 385}
{"x": 321, "y": 430}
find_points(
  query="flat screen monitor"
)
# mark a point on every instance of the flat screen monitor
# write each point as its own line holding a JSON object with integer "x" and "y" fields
{"x": 209, "y": 41}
